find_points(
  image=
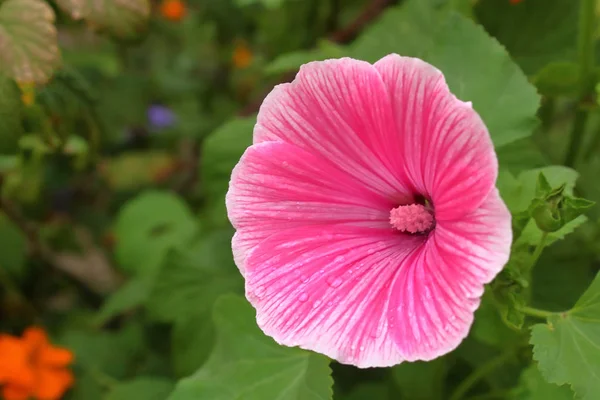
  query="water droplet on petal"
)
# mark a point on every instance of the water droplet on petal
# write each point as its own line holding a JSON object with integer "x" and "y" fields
{"x": 370, "y": 251}
{"x": 303, "y": 297}
{"x": 339, "y": 259}
{"x": 334, "y": 282}
{"x": 317, "y": 303}
{"x": 304, "y": 278}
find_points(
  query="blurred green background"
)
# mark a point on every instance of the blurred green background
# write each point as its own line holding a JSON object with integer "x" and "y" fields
{"x": 120, "y": 123}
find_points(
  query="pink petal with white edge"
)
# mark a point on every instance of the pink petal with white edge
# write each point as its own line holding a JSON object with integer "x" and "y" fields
{"x": 328, "y": 290}
{"x": 338, "y": 110}
{"x": 445, "y": 151}
{"x": 278, "y": 186}
{"x": 440, "y": 285}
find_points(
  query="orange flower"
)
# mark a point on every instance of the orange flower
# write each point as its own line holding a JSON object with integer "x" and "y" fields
{"x": 242, "y": 56}
{"x": 32, "y": 368}
{"x": 173, "y": 10}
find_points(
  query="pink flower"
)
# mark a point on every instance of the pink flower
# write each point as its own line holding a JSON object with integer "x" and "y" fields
{"x": 366, "y": 212}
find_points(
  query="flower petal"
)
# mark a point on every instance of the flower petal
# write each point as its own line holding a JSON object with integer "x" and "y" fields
{"x": 439, "y": 285}
{"x": 445, "y": 151}
{"x": 55, "y": 357}
{"x": 14, "y": 392}
{"x": 327, "y": 289}
{"x": 338, "y": 110}
{"x": 278, "y": 186}
{"x": 53, "y": 383}
{"x": 14, "y": 362}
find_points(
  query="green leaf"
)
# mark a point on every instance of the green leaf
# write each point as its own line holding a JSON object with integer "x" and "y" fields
{"x": 421, "y": 380}
{"x": 122, "y": 18}
{"x": 192, "y": 342}
{"x": 247, "y": 364}
{"x": 521, "y": 155}
{"x": 532, "y": 386}
{"x": 28, "y": 40}
{"x": 13, "y": 248}
{"x": 532, "y": 235}
{"x": 535, "y": 32}
{"x": 147, "y": 388}
{"x": 507, "y": 104}
{"x": 186, "y": 286}
{"x": 148, "y": 226}
{"x": 129, "y": 296}
{"x": 519, "y": 192}
{"x": 11, "y": 109}
{"x": 292, "y": 61}
{"x": 488, "y": 327}
{"x": 111, "y": 353}
{"x": 221, "y": 152}
{"x": 567, "y": 347}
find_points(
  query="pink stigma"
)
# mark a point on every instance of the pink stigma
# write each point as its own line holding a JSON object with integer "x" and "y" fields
{"x": 413, "y": 218}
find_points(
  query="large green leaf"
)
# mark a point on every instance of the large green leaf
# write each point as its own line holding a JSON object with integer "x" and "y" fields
{"x": 532, "y": 386}
{"x": 186, "y": 286}
{"x": 11, "y": 109}
{"x": 122, "y": 18}
{"x": 148, "y": 226}
{"x": 567, "y": 347}
{"x": 507, "y": 103}
{"x": 518, "y": 191}
{"x": 192, "y": 341}
{"x": 248, "y": 365}
{"x": 28, "y": 40}
{"x": 147, "y": 388}
{"x": 535, "y": 32}
{"x": 129, "y": 296}
{"x": 221, "y": 152}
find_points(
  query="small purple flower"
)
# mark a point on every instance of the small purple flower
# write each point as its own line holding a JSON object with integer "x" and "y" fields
{"x": 160, "y": 117}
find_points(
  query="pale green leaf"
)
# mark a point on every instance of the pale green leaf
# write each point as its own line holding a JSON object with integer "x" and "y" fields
{"x": 122, "y": 18}
{"x": 292, "y": 61}
{"x": 567, "y": 347}
{"x": 146, "y": 388}
{"x": 532, "y": 235}
{"x": 507, "y": 104}
{"x": 518, "y": 192}
{"x": 248, "y": 365}
{"x": 535, "y": 32}
{"x": 129, "y": 296}
{"x": 532, "y": 386}
{"x": 221, "y": 152}
{"x": 192, "y": 341}
{"x": 28, "y": 40}
{"x": 148, "y": 226}
{"x": 185, "y": 286}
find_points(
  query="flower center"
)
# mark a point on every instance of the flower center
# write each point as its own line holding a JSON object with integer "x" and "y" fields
{"x": 412, "y": 218}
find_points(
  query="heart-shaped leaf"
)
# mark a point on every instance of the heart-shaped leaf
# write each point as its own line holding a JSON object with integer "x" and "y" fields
{"x": 28, "y": 40}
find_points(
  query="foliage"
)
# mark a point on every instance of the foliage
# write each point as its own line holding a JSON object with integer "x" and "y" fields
{"x": 119, "y": 129}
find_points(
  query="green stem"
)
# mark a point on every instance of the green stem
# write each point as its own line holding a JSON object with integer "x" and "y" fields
{"x": 585, "y": 48}
{"x": 534, "y": 312}
{"x": 538, "y": 250}
{"x": 576, "y": 137}
{"x": 471, "y": 380}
